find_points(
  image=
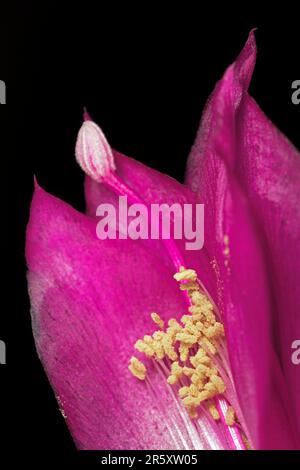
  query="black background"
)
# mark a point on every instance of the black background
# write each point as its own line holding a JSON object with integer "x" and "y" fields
{"x": 144, "y": 75}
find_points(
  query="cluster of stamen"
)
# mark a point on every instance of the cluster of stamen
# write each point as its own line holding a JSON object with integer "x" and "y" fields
{"x": 189, "y": 347}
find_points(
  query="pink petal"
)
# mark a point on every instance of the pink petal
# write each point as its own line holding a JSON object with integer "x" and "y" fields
{"x": 222, "y": 169}
{"x": 91, "y": 301}
{"x": 270, "y": 175}
{"x": 153, "y": 187}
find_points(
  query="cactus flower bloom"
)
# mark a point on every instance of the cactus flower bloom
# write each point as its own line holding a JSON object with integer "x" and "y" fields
{"x": 225, "y": 379}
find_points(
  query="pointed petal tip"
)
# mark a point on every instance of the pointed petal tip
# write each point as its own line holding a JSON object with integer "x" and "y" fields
{"x": 86, "y": 115}
{"x": 93, "y": 152}
{"x": 37, "y": 188}
{"x": 35, "y": 182}
{"x": 251, "y": 41}
{"x": 245, "y": 62}
{"x": 251, "y": 33}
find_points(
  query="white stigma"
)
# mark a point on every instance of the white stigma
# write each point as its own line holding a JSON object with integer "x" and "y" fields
{"x": 93, "y": 152}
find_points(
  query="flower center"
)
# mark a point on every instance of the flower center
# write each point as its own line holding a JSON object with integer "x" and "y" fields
{"x": 190, "y": 351}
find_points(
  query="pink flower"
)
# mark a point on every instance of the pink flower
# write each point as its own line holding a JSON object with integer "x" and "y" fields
{"x": 91, "y": 298}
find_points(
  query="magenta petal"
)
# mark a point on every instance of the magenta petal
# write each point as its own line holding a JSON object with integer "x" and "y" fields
{"x": 270, "y": 174}
{"x": 91, "y": 301}
{"x": 236, "y": 244}
{"x": 149, "y": 184}
{"x": 153, "y": 187}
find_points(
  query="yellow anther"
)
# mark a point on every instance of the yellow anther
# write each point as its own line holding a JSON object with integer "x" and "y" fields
{"x": 219, "y": 329}
{"x": 211, "y": 389}
{"x": 197, "y": 380}
{"x": 176, "y": 368}
{"x": 200, "y": 357}
{"x": 189, "y": 286}
{"x": 176, "y": 373}
{"x": 211, "y": 371}
{"x": 200, "y": 326}
{"x": 191, "y": 401}
{"x": 174, "y": 324}
{"x": 195, "y": 401}
{"x": 155, "y": 342}
{"x": 230, "y": 416}
{"x": 214, "y": 331}
{"x": 156, "y": 318}
{"x": 186, "y": 319}
{"x": 195, "y": 310}
{"x": 202, "y": 314}
{"x": 159, "y": 350}
{"x": 183, "y": 352}
{"x": 137, "y": 368}
{"x": 205, "y": 360}
{"x": 213, "y": 411}
{"x": 148, "y": 340}
{"x": 218, "y": 383}
{"x": 173, "y": 329}
{"x": 201, "y": 353}
{"x": 144, "y": 348}
{"x": 172, "y": 379}
{"x": 186, "y": 338}
{"x": 201, "y": 300}
{"x": 168, "y": 347}
{"x": 194, "y": 390}
{"x": 209, "y": 345}
{"x": 186, "y": 275}
{"x": 197, "y": 298}
{"x": 158, "y": 335}
{"x": 191, "y": 319}
{"x": 203, "y": 395}
{"x": 184, "y": 391}
{"x": 188, "y": 371}
{"x": 194, "y": 329}
{"x": 210, "y": 318}
{"x": 202, "y": 369}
